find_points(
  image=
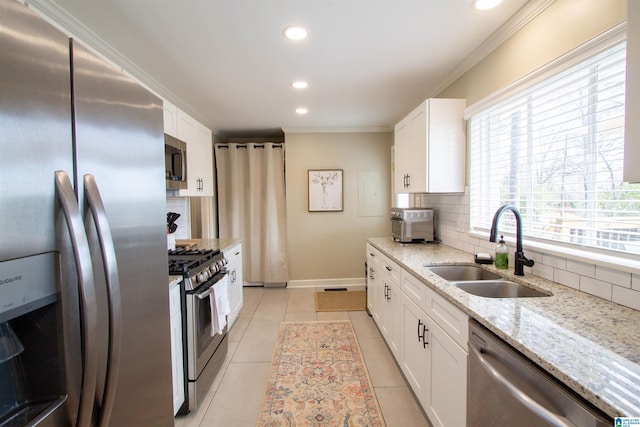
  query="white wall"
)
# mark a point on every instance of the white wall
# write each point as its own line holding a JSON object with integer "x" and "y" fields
{"x": 329, "y": 247}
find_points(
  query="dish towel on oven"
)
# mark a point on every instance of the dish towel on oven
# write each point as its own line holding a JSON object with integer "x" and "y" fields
{"x": 219, "y": 302}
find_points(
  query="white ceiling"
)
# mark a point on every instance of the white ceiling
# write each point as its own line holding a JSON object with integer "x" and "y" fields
{"x": 368, "y": 62}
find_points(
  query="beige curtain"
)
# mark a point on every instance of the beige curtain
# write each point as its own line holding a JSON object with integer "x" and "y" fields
{"x": 251, "y": 207}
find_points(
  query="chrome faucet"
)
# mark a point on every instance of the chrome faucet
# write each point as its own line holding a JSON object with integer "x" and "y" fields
{"x": 520, "y": 259}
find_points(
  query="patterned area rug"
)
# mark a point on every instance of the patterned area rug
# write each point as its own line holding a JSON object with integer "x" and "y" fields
{"x": 318, "y": 378}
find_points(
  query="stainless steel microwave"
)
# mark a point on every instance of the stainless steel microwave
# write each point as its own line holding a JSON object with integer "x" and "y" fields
{"x": 175, "y": 163}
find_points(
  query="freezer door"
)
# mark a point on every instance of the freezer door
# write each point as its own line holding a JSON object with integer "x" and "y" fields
{"x": 36, "y": 141}
{"x": 35, "y": 129}
{"x": 119, "y": 141}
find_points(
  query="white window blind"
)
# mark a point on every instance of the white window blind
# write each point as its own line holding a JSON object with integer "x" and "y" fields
{"x": 555, "y": 151}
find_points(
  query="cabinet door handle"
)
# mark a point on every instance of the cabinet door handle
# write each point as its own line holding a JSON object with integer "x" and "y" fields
{"x": 389, "y": 269}
{"x": 420, "y": 337}
{"x": 385, "y": 291}
{"x": 424, "y": 336}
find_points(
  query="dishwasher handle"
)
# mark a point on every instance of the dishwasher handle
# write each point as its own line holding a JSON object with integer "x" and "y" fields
{"x": 535, "y": 407}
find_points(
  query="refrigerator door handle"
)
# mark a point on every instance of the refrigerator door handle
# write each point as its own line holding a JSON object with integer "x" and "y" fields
{"x": 107, "y": 247}
{"x": 86, "y": 287}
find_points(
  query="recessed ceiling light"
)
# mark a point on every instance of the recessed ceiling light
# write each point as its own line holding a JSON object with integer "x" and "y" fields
{"x": 295, "y": 33}
{"x": 301, "y": 110}
{"x": 300, "y": 85}
{"x": 486, "y": 4}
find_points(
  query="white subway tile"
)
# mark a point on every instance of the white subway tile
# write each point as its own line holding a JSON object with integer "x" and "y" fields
{"x": 554, "y": 261}
{"x": 616, "y": 277}
{"x": 542, "y": 271}
{"x": 581, "y": 268}
{"x": 469, "y": 247}
{"x": 596, "y": 287}
{"x": 566, "y": 278}
{"x": 626, "y": 297}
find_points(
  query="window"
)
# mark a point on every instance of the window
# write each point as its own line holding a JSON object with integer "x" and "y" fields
{"x": 555, "y": 151}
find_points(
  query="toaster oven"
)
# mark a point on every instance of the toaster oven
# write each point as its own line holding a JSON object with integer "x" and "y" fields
{"x": 412, "y": 224}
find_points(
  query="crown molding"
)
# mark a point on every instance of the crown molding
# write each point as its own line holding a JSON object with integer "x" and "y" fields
{"x": 71, "y": 26}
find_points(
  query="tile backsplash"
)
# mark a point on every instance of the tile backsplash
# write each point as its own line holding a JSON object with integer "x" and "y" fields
{"x": 181, "y": 205}
{"x": 452, "y": 225}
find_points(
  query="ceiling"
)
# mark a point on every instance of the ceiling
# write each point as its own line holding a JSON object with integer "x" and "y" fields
{"x": 226, "y": 62}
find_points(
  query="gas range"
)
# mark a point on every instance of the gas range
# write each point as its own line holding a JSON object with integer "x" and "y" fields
{"x": 196, "y": 266}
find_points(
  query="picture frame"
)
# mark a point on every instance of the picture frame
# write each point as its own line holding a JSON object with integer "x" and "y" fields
{"x": 325, "y": 190}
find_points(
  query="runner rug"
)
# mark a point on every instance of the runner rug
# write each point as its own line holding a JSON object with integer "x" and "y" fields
{"x": 318, "y": 378}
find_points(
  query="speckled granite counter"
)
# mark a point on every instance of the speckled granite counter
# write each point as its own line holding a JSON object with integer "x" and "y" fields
{"x": 591, "y": 345}
{"x": 215, "y": 244}
{"x": 174, "y": 280}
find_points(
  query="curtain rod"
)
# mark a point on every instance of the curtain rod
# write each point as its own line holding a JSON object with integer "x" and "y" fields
{"x": 226, "y": 145}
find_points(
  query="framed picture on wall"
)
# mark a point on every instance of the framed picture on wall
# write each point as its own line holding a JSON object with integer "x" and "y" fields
{"x": 325, "y": 190}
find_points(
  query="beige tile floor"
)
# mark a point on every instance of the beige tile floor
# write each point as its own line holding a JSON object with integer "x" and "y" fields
{"x": 236, "y": 394}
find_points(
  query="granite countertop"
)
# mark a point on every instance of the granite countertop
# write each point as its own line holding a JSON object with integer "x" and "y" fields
{"x": 589, "y": 344}
{"x": 174, "y": 280}
{"x": 222, "y": 244}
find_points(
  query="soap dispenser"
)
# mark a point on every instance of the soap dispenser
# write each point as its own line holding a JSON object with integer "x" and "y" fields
{"x": 502, "y": 255}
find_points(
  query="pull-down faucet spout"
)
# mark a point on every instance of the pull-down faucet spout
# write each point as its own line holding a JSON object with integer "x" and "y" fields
{"x": 520, "y": 259}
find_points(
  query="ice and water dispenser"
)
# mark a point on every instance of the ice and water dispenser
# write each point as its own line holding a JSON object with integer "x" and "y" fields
{"x": 31, "y": 365}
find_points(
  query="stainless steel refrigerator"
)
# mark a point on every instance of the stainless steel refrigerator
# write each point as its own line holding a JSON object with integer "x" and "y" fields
{"x": 84, "y": 306}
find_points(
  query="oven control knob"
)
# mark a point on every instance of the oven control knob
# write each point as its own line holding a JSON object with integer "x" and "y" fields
{"x": 199, "y": 278}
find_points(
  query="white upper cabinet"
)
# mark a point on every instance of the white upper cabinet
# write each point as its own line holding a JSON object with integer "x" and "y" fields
{"x": 170, "y": 119}
{"x": 632, "y": 122}
{"x": 430, "y": 147}
{"x": 199, "y": 156}
{"x": 199, "y": 142}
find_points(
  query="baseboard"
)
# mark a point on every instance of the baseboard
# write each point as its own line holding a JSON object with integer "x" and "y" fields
{"x": 352, "y": 284}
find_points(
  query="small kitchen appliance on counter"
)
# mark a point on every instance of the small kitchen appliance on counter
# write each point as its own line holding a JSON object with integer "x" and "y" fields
{"x": 412, "y": 224}
{"x": 203, "y": 347}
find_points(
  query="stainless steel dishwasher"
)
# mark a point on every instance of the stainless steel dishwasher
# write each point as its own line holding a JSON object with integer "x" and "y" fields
{"x": 506, "y": 389}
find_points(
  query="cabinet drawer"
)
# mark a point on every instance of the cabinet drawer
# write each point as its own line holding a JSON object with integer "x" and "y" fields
{"x": 414, "y": 289}
{"x": 391, "y": 269}
{"x": 449, "y": 317}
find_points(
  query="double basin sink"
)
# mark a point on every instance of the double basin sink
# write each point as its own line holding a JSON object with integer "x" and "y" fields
{"x": 483, "y": 283}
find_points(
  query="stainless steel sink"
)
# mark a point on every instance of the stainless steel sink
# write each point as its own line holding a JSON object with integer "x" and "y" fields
{"x": 458, "y": 273}
{"x": 498, "y": 289}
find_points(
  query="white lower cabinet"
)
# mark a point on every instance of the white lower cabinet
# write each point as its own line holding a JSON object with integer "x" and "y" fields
{"x": 383, "y": 297}
{"x": 414, "y": 353}
{"x": 236, "y": 300}
{"x": 177, "y": 367}
{"x": 374, "y": 284}
{"x": 435, "y": 366}
{"x": 446, "y": 393}
{"x": 390, "y": 309}
{"x": 431, "y": 351}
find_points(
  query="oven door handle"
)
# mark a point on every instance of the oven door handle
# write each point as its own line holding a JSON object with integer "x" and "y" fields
{"x": 206, "y": 292}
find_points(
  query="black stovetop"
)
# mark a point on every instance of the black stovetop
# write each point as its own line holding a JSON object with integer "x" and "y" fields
{"x": 187, "y": 261}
